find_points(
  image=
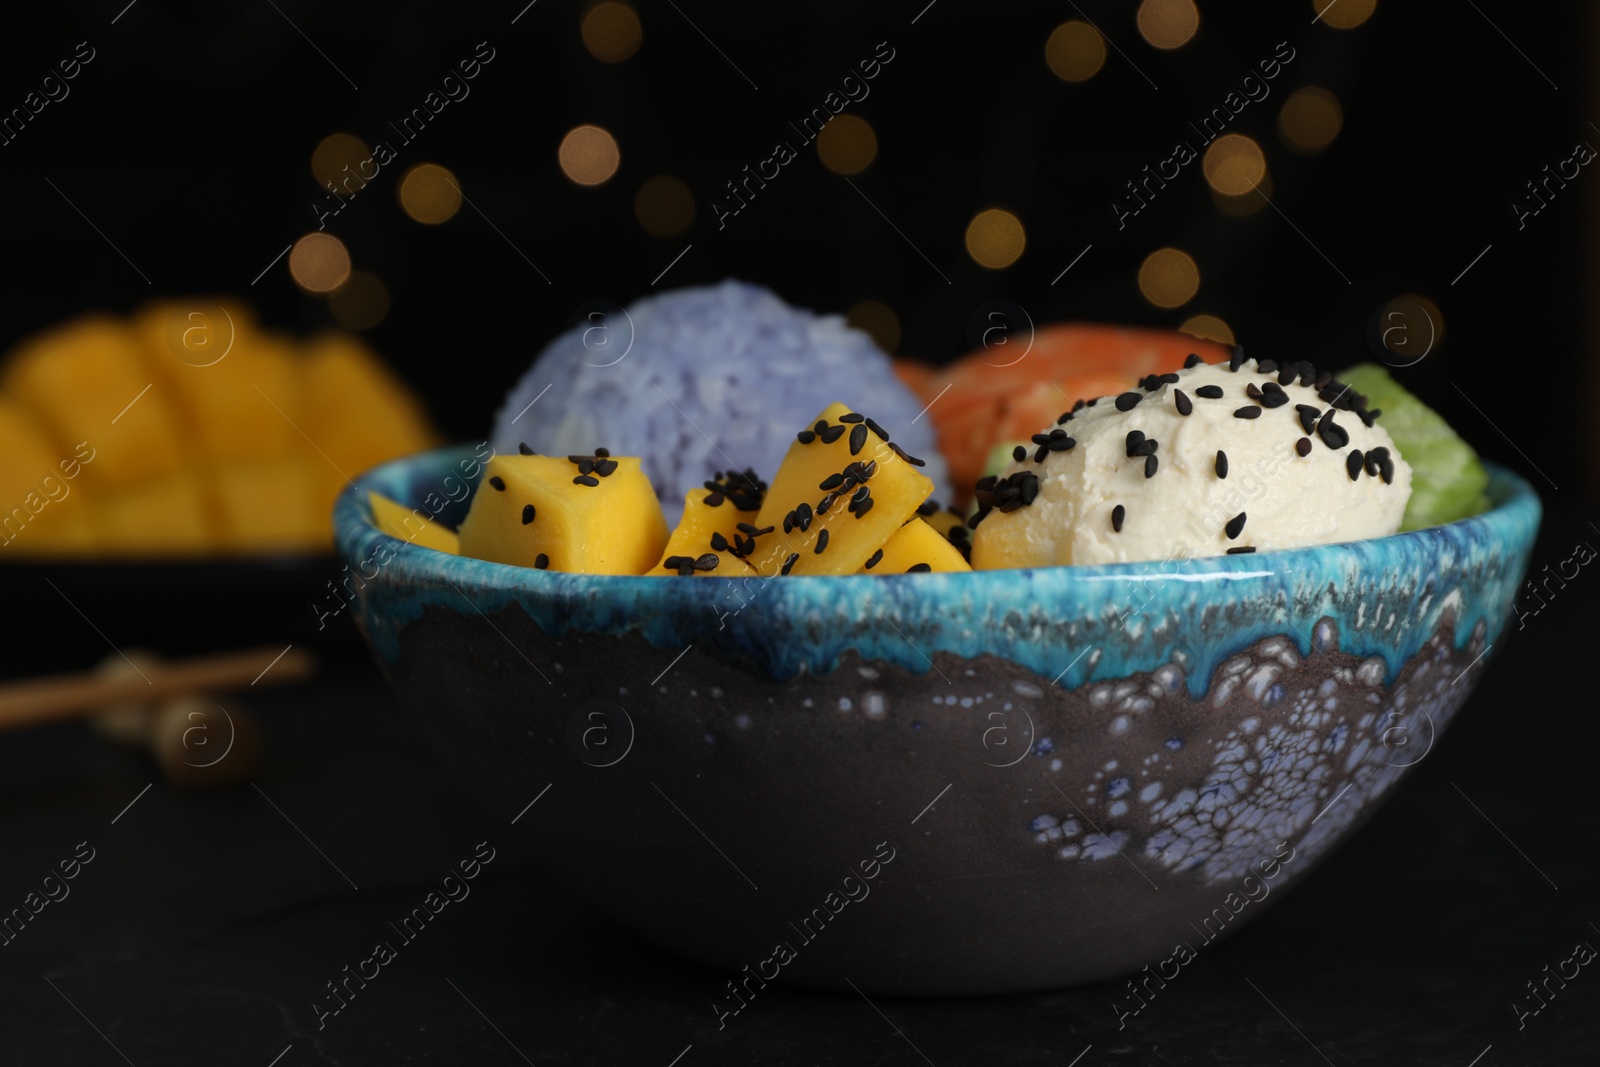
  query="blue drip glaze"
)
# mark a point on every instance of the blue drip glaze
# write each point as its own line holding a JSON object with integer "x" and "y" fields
{"x": 1043, "y": 618}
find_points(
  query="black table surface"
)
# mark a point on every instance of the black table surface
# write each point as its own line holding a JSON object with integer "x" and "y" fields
{"x": 208, "y": 923}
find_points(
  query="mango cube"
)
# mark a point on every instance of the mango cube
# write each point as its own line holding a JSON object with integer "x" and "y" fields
{"x": 163, "y": 516}
{"x": 563, "y": 513}
{"x": 843, "y": 490}
{"x": 266, "y": 507}
{"x": 709, "y": 539}
{"x": 399, "y": 521}
{"x": 37, "y": 490}
{"x": 916, "y": 547}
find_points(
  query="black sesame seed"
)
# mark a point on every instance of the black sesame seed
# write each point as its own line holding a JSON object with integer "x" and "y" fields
{"x": 1353, "y": 463}
{"x": 831, "y": 434}
{"x": 873, "y": 562}
{"x": 1134, "y": 443}
{"x": 919, "y": 568}
{"x": 1386, "y": 468}
{"x": 1222, "y": 464}
{"x": 602, "y": 452}
{"x": 527, "y": 514}
{"x": 541, "y": 562}
{"x": 586, "y": 479}
{"x": 1019, "y": 454}
{"x": 1181, "y": 401}
{"x": 928, "y": 507}
{"x": 832, "y": 481}
{"x": 1235, "y": 526}
{"x": 1193, "y": 360}
{"x": 1375, "y": 459}
{"x": 522, "y": 447}
{"x": 498, "y": 482}
{"x": 1150, "y": 464}
{"x": 1333, "y": 435}
{"x": 913, "y": 460}
{"x": 1170, "y": 377}
{"x": 1210, "y": 392}
{"x": 789, "y": 563}
{"x": 1066, "y": 416}
{"x": 1061, "y": 444}
{"x": 1267, "y": 366}
{"x": 707, "y": 562}
{"x": 1127, "y": 401}
{"x": 605, "y": 467}
{"x": 719, "y": 542}
{"x": 822, "y": 542}
{"x": 1041, "y": 452}
{"x": 826, "y": 502}
{"x": 1241, "y": 550}
{"x": 1273, "y": 399}
{"x": 754, "y": 530}
{"x": 1288, "y": 373}
{"x": 1247, "y": 412}
{"x": 715, "y": 499}
{"x": 1308, "y": 416}
{"x": 805, "y": 437}
{"x": 1118, "y": 513}
{"x": 1252, "y": 391}
{"x": 883, "y": 435}
{"x": 1302, "y": 447}
{"x": 1237, "y": 359}
{"x": 858, "y": 439}
{"x": 852, "y": 417}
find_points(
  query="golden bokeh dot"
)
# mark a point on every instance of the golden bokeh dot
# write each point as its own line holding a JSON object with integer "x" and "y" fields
{"x": 1248, "y": 204}
{"x": 1168, "y": 278}
{"x": 1208, "y": 328}
{"x": 1075, "y": 51}
{"x": 1311, "y": 118}
{"x": 1411, "y": 326}
{"x": 1234, "y": 164}
{"x": 1344, "y": 14}
{"x": 319, "y": 263}
{"x": 995, "y": 238}
{"x": 589, "y": 155}
{"x": 878, "y": 321}
{"x": 847, "y": 145}
{"x": 430, "y": 193}
{"x": 1168, "y": 24}
{"x": 611, "y": 31}
{"x": 664, "y": 206}
{"x": 336, "y": 152}
{"x": 361, "y": 302}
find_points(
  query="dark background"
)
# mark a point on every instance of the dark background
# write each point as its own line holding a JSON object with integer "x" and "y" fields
{"x": 187, "y": 141}
{"x": 207, "y": 925}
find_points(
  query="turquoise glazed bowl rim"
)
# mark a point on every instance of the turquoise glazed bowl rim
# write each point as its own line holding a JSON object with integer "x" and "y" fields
{"x": 1124, "y": 617}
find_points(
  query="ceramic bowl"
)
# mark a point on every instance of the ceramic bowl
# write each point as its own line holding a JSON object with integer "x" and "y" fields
{"x": 937, "y": 783}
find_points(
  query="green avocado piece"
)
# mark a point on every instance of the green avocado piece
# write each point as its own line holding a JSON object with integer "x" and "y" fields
{"x": 1447, "y": 480}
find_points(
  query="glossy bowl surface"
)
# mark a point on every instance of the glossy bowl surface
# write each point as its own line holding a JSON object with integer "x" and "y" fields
{"x": 937, "y": 783}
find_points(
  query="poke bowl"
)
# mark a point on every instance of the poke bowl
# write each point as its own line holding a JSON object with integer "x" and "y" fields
{"x": 936, "y": 783}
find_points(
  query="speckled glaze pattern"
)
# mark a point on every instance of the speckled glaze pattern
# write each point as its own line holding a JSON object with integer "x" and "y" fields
{"x": 1077, "y": 768}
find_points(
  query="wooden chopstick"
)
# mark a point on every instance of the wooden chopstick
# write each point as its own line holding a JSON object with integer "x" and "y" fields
{"x": 67, "y": 696}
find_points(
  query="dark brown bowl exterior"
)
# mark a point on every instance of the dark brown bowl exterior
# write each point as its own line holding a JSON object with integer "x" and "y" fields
{"x": 942, "y": 784}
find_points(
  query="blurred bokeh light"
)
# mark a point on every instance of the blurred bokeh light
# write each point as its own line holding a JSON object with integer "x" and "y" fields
{"x": 1234, "y": 164}
{"x": 1075, "y": 51}
{"x": 336, "y": 152}
{"x": 877, "y": 320}
{"x": 430, "y": 193}
{"x": 995, "y": 238}
{"x": 361, "y": 302}
{"x": 847, "y": 144}
{"x": 589, "y": 155}
{"x": 1310, "y": 120}
{"x": 1208, "y": 328}
{"x": 664, "y": 206}
{"x": 1168, "y": 24}
{"x": 319, "y": 263}
{"x": 1169, "y": 278}
{"x": 1345, "y": 14}
{"x": 611, "y": 31}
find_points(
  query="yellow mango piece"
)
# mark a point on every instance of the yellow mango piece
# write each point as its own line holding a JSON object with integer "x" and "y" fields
{"x": 86, "y": 383}
{"x": 164, "y": 516}
{"x": 42, "y": 512}
{"x": 357, "y": 411}
{"x": 528, "y": 511}
{"x": 917, "y": 544}
{"x": 946, "y": 519}
{"x": 846, "y": 539}
{"x": 248, "y": 405}
{"x": 397, "y": 520}
{"x": 267, "y": 507}
{"x": 704, "y": 526}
